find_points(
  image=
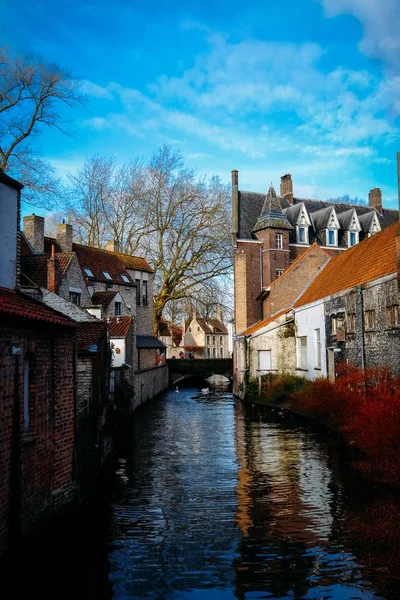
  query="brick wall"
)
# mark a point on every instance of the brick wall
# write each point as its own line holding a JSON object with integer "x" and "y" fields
{"x": 39, "y": 466}
{"x": 247, "y": 285}
{"x": 273, "y": 258}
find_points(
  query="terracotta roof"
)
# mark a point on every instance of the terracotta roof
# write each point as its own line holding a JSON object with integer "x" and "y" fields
{"x": 34, "y": 268}
{"x": 371, "y": 259}
{"x": 135, "y": 262}
{"x": 100, "y": 261}
{"x": 88, "y": 334}
{"x": 103, "y": 298}
{"x": 264, "y": 322}
{"x": 17, "y": 304}
{"x": 119, "y": 326}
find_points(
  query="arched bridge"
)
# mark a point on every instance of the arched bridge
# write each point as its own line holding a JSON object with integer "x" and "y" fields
{"x": 180, "y": 369}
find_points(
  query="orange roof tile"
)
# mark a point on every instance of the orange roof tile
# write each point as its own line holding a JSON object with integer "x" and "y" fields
{"x": 119, "y": 326}
{"x": 371, "y": 259}
{"x": 89, "y": 333}
{"x": 15, "y": 303}
{"x": 264, "y": 322}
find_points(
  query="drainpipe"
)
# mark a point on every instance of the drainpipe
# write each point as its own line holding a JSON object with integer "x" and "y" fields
{"x": 15, "y": 458}
{"x": 360, "y": 306}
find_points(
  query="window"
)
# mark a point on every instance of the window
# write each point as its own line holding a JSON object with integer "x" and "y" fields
{"x": 190, "y": 330}
{"x": 279, "y": 241}
{"x": 302, "y": 235}
{"x": 213, "y": 340}
{"x": 125, "y": 279}
{"x": 332, "y": 237}
{"x": 392, "y": 315}
{"x": 221, "y": 351}
{"x": 370, "y": 319}
{"x": 88, "y": 272}
{"x": 117, "y": 309}
{"x": 220, "y": 340}
{"x": 208, "y": 353}
{"x": 214, "y": 352}
{"x": 317, "y": 348}
{"x": 208, "y": 340}
{"x": 279, "y": 272}
{"x": 145, "y": 297}
{"x": 26, "y": 393}
{"x": 109, "y": 286}
{"x": 137, "y": 292}
{"x": 302, "y": 352}
{"x": 352, "y": 238}
{"x": 351, "y": 321}
{"x": 198, "y": 329}
{"x": 333, "y": 325}
{"x": 75, "y": 298}
{"x": 107, "y": 275}
{"x": 264, "y": 360}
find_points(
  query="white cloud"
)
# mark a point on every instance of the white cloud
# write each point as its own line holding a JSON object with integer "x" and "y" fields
{"x": 97, "y": 91}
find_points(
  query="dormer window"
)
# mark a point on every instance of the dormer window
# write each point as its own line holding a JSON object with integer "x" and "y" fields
{"x": 331, "y": 237}
{"x": 302, "y": 235}
{"x": 125, "y": 278}
{"x": 107, "y": 275}
{"x": 352, "y": 238}
{"x": 88, "y": 272}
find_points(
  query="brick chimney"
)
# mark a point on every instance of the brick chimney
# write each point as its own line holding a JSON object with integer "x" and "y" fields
{"x": 34, "y": 232}
{"x": 64, "y": 237}
{"x": 51, "y": 272}
{"x": 219, "y": 313}
{"x": 235, "y": 206}
{"x": 375, "y": 199}
{"x": 113, "y": 246}
{"x": 287, "y": 187}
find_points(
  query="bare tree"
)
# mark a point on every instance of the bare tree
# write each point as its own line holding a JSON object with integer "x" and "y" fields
{"x": 346, "y": 199}
{"x": 178, "y": 221}
{"x": 32, "y": 94}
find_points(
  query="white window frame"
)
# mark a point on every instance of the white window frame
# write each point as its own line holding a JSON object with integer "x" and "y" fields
{"x": 88, "y": 272}
{"x": 298, "y": 228}
{"x": 107, "y": 275}
{"x": 302, "y": 353}
{"x": 124, "y": 278}
{"x": 265, "y": 354}
{"x": 279, "y": 241}
{"x": 317, "y": 334}
{"x": 356, "y": 237}
{"x": 335, "y": 237}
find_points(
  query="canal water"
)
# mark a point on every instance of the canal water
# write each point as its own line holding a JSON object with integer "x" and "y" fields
{"x": 215, "y": 500}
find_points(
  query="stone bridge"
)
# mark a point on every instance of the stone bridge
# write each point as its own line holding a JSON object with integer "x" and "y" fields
{"x": 196, "y": 368}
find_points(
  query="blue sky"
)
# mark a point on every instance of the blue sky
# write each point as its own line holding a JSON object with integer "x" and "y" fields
{"x": 310, "y": 87}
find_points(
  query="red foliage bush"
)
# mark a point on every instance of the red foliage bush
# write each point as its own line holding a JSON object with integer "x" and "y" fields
{"x": 364, "y": 407}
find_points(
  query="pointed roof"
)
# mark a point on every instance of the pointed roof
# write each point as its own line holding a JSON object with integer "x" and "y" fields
{"x": 371, "y": 259}
{"x": 271, "y": 214}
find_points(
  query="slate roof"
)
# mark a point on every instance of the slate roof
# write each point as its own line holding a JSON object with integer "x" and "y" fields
{"x": 148, "y": 341}
{"x": 321, "y": 217}
{"x": 17, "y": 304}
{"x": 271, "y": 213}
{"x": 103, "y": 299}
{"x": 34, "y": 268}
{"x": 264, "y": 322}
{"x": 371, "y": 259}
{"x": 250, "y": 205}
{"x": 89, "y": 334}
{"x": 119, "y": 326}
{"x": 66, "y": 307}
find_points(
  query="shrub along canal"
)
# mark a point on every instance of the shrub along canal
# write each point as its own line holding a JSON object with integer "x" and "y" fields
{"x": 219, "y": 500}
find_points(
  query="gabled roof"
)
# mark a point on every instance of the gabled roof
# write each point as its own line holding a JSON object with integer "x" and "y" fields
{"x": 103, "y": 299}
{"x": 345, "y": 218}
{"x": 209, "y": 326}
{"x": 17, "y": 304}
{"x": 34, "y": 268}
{"x": 89, "y": 334}
{"x": 135, "y": 263}
{"x": 148, "y": 341}
{"x": 119, "y": 326}
{"x": 371, "y": 259}
{"x": 101, "y": 261}
{"x": 264, "y": 322}
{"x": 321, "y": 218}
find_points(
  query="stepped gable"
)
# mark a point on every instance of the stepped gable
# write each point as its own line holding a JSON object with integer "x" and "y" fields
{"x": 119, "y": 326}
{"x": 17, "y": 304}
{"x": 101, "y": 261}
{"x": 371, "y": 259}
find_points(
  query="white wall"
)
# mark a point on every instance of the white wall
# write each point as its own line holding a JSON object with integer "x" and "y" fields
{"x": 118, "y": 358}
{"x": 307, "y": 320}
{"x": 8, "y": 235}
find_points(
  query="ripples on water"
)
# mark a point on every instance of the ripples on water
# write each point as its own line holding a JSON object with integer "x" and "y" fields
{"x": 218, "y": 504}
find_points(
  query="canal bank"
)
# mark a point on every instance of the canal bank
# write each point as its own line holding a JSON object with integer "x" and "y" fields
{"x": 216, "y": 499}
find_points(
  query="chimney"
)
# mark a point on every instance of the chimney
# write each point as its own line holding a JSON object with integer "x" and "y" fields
{"x": 235, "y": 206}
{"x": 194, "y": 315}
{"x": 34, "y": 232}
{"x": 51, "y": 272}
{"x": 219, "y": 313}
{"x": 113, "y": 246}
{"x": 375, "y": 199}
{"x": 287, "y": 187}
{"x": 64, "y": 237}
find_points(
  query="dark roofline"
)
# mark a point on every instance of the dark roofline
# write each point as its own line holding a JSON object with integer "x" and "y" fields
{"x": 4, "y": 178}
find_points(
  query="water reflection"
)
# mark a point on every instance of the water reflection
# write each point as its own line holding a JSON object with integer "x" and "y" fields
{"x": 223, "y": 502}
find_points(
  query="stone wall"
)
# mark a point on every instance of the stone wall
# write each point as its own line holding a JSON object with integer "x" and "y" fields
{"x": 149, "y": 383}
{"x": 74, "y": 278}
